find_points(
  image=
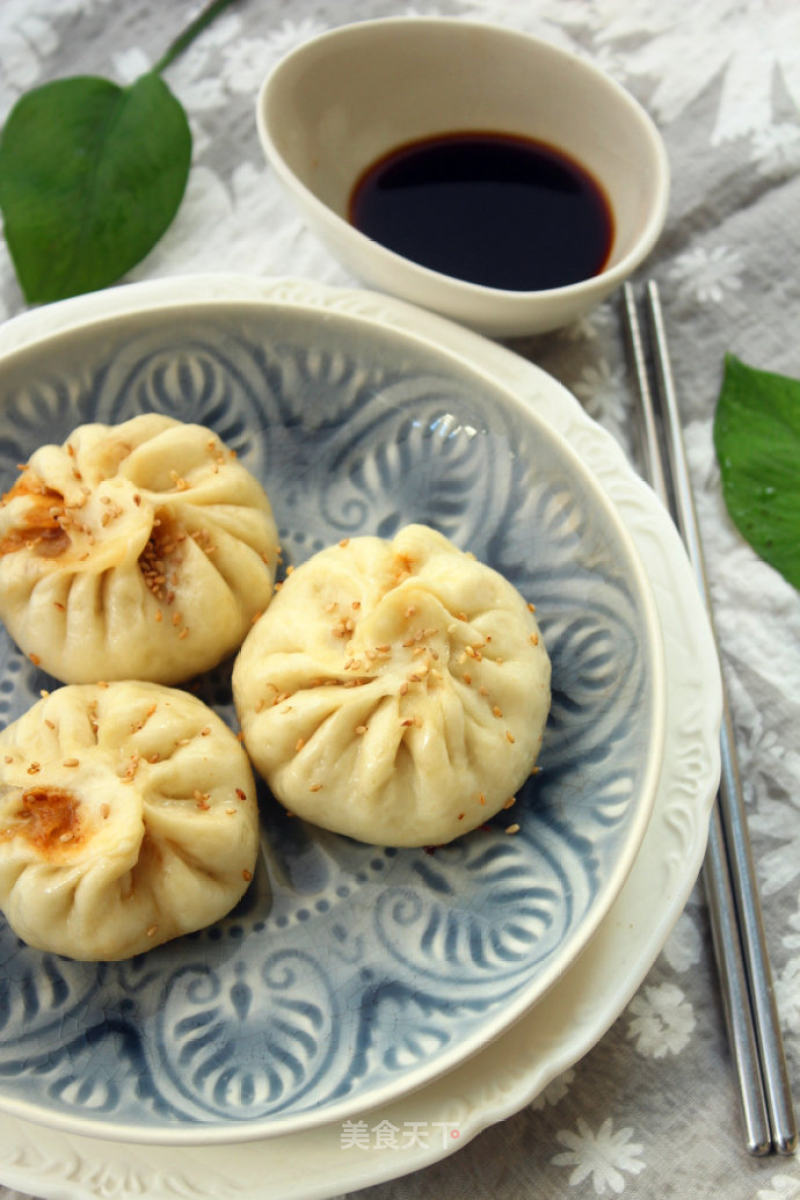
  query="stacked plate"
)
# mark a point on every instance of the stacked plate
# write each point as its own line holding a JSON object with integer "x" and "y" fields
{"x": 358, "y": 992}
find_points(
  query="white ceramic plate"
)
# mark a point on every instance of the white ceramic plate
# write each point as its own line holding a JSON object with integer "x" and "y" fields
{"x": 581, "y": 1006}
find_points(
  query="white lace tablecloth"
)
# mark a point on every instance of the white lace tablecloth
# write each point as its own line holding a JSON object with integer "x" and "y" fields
{"x": 651, "y": 1112}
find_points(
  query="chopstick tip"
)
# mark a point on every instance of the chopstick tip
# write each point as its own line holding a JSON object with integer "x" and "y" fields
{"x": 786, "y": 1143}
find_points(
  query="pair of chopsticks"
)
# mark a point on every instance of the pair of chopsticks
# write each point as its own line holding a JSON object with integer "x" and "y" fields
{"x": 728, "y": 872}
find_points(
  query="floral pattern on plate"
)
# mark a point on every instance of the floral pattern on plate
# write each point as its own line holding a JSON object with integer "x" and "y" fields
{"x": 348, "y": 973}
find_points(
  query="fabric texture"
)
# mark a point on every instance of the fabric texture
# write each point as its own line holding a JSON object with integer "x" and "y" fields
{"x": 652, "y": 1111}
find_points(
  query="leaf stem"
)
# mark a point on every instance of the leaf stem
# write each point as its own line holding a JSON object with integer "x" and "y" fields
{"x": 185, "y": 39}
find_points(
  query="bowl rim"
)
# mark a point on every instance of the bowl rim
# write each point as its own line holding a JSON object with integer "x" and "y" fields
{"x": 604, "y": 280}
{"x": 33, "y": 331}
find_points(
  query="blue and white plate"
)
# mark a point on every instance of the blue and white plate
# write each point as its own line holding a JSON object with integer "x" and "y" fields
{"x": 349, "y": 974}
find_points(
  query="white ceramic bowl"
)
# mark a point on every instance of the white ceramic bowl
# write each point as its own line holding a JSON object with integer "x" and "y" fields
{"x": 338, "y": 102}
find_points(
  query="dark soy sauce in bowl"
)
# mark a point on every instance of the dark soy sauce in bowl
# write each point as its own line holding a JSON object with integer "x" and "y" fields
{"x": 496, "y": 209}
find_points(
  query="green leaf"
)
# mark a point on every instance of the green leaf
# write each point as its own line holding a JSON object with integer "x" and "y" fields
{"x": 91, "y": 175}
{"x": 757, "y": 440}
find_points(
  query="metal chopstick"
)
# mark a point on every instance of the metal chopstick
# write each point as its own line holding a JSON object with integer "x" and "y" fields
{"x": 729, "y": 874}
{"x": 722, "y": 913}
{"x": 734, "y": 820}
